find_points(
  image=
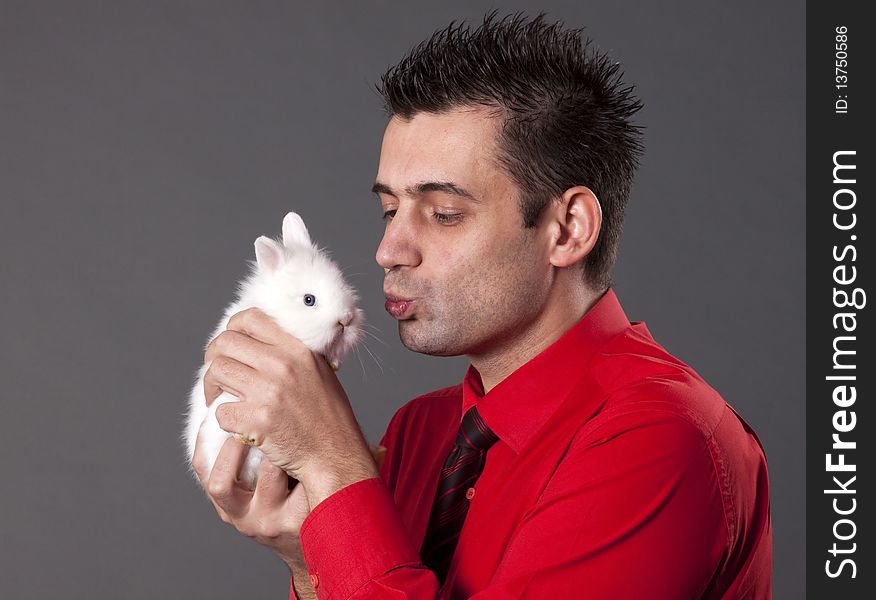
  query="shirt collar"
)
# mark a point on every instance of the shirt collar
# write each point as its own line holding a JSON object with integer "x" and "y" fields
{"x": 520, "y": 404}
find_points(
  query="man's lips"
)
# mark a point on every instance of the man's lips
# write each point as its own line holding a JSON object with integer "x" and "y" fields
{"x": 398, "y": 307}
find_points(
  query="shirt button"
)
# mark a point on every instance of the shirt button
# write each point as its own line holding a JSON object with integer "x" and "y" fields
{"x": 314, "y": 580}
{"x": 470, "y": 492}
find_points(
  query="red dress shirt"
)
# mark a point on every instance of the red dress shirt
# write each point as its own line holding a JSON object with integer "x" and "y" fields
{"x": 618, "y": 474}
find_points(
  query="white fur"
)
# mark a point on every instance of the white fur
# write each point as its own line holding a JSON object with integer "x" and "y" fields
{"x": 281, "y": 275}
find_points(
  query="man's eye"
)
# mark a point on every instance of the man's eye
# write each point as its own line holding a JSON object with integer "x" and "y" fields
{"x": 447, "y": 219}
{"x": 389, "y": 214}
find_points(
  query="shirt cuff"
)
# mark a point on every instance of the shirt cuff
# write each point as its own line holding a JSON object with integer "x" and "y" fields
{"x": 352, "y": 537}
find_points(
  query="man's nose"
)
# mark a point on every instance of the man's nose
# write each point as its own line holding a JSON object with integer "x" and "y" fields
{"x": 399, "y": 246}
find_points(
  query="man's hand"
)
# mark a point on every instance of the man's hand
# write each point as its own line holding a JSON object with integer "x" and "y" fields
{"x": 271, "y": 515}
{"x": 292, "y": 405}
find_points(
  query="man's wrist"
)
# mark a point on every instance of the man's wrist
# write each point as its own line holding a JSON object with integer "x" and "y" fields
{"x": 301, "y": 584}
{"x": 322, "y": 483}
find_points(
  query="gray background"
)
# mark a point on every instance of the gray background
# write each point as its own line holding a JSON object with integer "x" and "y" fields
{"x": 144, "y": 146}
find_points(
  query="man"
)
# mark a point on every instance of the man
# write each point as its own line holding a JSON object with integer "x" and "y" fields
{"x": 583, "y": 460}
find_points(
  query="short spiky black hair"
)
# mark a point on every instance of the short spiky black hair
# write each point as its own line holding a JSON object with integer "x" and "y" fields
{"x": 565, "y": 112}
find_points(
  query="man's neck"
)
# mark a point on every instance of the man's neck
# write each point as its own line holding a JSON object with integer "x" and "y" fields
{"x": 562, "y": 311}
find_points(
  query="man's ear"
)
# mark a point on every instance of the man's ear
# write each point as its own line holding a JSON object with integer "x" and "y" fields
{"x": 579, "y": 217}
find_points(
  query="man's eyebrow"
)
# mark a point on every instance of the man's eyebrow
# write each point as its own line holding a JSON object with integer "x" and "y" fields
{"x": 418, "y": 189}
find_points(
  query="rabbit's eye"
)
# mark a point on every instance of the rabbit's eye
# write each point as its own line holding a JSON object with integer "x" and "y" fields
{"x": 309, "y": 299}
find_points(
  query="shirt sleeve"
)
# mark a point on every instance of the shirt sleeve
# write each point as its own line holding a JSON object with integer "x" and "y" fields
{"x": 633, "y": 511}
{"x": 355, "y": 538}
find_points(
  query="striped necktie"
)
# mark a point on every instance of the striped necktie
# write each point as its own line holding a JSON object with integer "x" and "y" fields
{"x": 463, "y": 466}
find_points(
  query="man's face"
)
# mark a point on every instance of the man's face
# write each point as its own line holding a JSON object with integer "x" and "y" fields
{"x": 466, "y": 276}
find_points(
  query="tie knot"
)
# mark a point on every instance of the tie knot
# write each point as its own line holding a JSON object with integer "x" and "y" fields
{"x": 474, "y": 433}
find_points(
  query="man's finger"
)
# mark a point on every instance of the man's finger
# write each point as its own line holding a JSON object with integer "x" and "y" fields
{"x": 226, "y": 518}
{"x": 234, "y": 417}
{"x": 199, "y": 462}
{"x": 199, "y": 465}
{"x": 259, "y": 325}
{"x": 223, "y": 486}
{"x": 225, "y": 374}
{"x": 272, "y": 488}
{"x": 238, "y": 346}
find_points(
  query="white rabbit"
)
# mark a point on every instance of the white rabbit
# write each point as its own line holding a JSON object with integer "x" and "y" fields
{"x": 304, "y": 291}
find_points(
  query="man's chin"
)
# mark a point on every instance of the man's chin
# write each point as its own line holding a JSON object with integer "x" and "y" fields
{"x": 416, "y": 338}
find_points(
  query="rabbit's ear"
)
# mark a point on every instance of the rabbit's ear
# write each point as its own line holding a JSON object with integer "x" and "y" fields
{"x": 294, "y": 231}
{"x": 269, "y": 254}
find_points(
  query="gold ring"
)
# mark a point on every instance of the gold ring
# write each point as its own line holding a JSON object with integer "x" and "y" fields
{"x": 246, "y": 441}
